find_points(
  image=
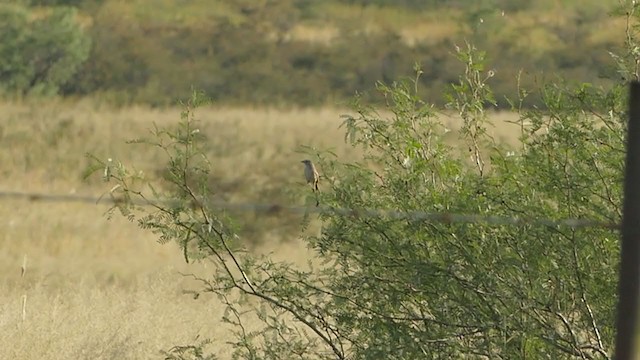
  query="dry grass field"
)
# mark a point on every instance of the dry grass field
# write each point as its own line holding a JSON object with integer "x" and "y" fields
{"x": 103, "y": 289}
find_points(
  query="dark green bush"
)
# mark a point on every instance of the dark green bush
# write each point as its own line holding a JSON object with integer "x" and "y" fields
{"x": 39, "y": 52}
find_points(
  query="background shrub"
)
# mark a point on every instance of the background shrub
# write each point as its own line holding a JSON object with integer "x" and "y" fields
{"x": 40, "y": 50}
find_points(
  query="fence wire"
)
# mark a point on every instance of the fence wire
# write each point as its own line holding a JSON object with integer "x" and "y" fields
{"x": 273, "y": 209}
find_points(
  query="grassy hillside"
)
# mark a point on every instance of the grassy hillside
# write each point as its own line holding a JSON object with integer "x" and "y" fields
{"x": 322, "y": 53}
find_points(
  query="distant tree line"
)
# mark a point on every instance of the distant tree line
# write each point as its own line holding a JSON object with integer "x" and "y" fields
{"x": 49, "y": 47}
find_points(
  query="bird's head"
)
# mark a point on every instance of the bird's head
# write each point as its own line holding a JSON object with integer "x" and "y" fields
{"x": 306, "y": 162}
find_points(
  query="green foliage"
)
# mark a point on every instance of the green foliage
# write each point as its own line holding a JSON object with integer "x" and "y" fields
{"x": 398, "y": 287}
{"x": 424, "y": 289}
{"x": 39, "y": 51}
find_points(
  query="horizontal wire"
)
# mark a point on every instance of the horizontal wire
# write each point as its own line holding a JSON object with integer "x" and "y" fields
{"x": 274, "y": 209}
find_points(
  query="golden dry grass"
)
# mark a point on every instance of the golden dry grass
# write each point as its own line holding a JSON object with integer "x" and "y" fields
{"x": 100, "y": 289}
{"x": 97, "y": 289}
{"x": 104, "y": 289}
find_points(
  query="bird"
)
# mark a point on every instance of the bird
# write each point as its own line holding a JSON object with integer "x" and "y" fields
{"x": 311, "y": 174}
